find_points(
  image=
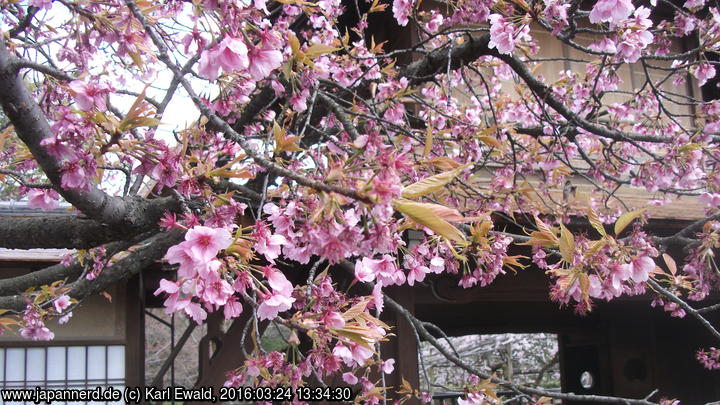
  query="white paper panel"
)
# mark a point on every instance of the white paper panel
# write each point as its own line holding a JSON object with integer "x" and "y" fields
{"x": 2, "y": 364}
{"x": 35, "y": 364}
{"x": 76, "y": 363}
{"x": 56, "y": 364}
{"x": 116, "y": 362}
{"x": 56, "y": 367}
{"x": 15, "y": 364}
{"x": 96, "y": 363}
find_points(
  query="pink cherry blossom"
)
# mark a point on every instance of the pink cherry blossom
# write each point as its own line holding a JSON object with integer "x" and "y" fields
{"x": 641, "y": 268}
{"x": 612, "y": 11}
{"x": 363, "y": 272}
{"x": 204, "y": 242}
{"x": 279, "y": 299}
{"x": 710, "y": 199}
{"x": 704, "y": 72}
{"x": 631, "y": 47}
{"x": 350, "y": 378}
{"x": 231, "y": 55}
{"x": 43, "y": 4}
{"x": 214, "y": 291}
{"x": 168, "y": 287}
{"x": 401, "y": 11}
{"x": 341, "y": 351}
{"x": 36, "y": 332}
{"x": 65, "y": 318}
{"x": 606, "y": 45}
{"x": 377, "y": 298}
{"x": 692, "y": 4}
{"x": 333, "y": 320}
{"x": 435, "y": 22}
{"x": 709, "y": 358}
{"x": 417, "y": 273}
{"x": 502, "y": 34}
{"x": 195, "y": 311}
{"x": 385, "y": 270}
{"x": 437, "y": 265}
{"x": 267, "y": 244}
{"x": 360, "y": 353}
{"x": 232, "y": 309}
{"x": 45, "y": 199}
{"x": 263, "y": 61}
{"x": 388, "y": 366}
{"x": 273, "y": 304}
{"x": 74, "y": 177}
{"x": 61, "y": 303}
{"x": 208, "y": 270}
{"x": 89, "y": 95}
{"x": 619, "y": 274}
{"x": 472, "y": 398}
{"x": 33, "y": 326}
{"x": 277, "y": 280}
{"x": 180, "y": 254}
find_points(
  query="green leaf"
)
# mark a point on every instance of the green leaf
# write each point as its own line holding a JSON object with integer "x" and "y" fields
{"x": 567, "y": 244}
{"x": 427, "y": 215}
{"x": 316, "y": 50}
{"x": 595, "y": 222}
{"x": 126, "y": 125}
{"x": 431, "y": 184}
{"x": 584, "y": 281}
{"x": 356, "y": 309}
{"x": 625, "y": 220}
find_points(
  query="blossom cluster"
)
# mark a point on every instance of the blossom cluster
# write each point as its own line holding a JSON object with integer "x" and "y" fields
{"x": 321, "y": 143}
{"x": 709, "y": 358}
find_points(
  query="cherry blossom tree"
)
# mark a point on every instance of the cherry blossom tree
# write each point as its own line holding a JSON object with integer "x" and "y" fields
{"x": 320, "y": 132}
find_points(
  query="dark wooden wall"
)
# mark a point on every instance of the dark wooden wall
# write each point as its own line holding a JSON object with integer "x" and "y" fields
{"x": 630, "y": 347}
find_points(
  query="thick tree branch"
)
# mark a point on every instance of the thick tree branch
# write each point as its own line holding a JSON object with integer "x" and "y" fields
{"x": 64, "y": 231}
{"x": 48, "y": 275}
{"x": 32, "y": 127}
{"x": 150, "y": 250}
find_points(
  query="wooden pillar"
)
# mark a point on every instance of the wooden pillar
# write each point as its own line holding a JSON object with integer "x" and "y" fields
{"x": 205, "y": 346}
{"x": 134, "y": 333}
{"x": 403, "y": 347}
{"x": 228, "y": 355}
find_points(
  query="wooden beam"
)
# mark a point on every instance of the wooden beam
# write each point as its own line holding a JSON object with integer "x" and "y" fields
{"x": 403, "y": 346}
{"x": 228, "y": 355}
{"x": 134, "y": 334}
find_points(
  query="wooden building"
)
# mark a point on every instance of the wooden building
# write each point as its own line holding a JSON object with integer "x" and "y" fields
{"x": 626, "y": 346}
{"x": 101, "y": 345}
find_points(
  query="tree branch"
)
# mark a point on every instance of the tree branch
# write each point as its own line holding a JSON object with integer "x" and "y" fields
{"x": 227, "y": 129}
{"x": 32, "y": 127}
{"x": 684, "y": 305}
{"x": 22, "y": 25}
{"x": 60, "y": 232}
{"x": 48, "y": 275}
{"x": 425, "y": 335}
{"x": 419, "y": 326}
{"x": 150, "y": 250}
{"x": 437, "y": 61}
